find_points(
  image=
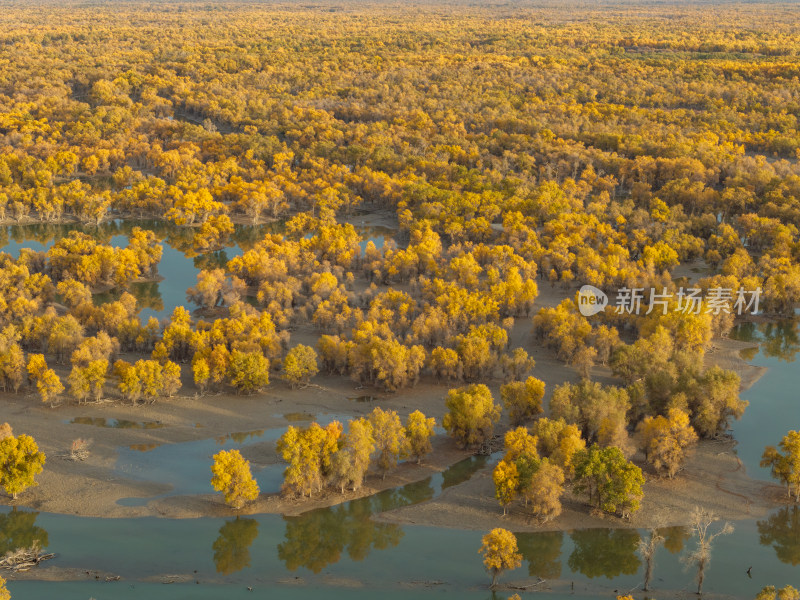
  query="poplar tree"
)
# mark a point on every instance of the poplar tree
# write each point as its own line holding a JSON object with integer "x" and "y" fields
{"x": 232, "y": 477}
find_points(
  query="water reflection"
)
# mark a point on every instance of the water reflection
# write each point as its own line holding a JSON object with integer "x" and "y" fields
{"x": 462, "y": 470}
{"x": 317, "y": 539}
{"x": 18, "y": 530}
{"x": 604, "y": 552}
{"x": 144, "y": 447}
{"x": 211, "y": 260}
{"x": 543, "y": 553}
{"x": 240, "y": 437}
{"x": 232, "y": 547}
{"x": 413, "y": 493}
{"x": 675, "y": 538}
{"x": 147, "y": 294}
{"x": 116, "y": 423}
{"x": 782, "y": 531}
{"x": 781, "y": 339}
{"x": 294, "y": 417}
{"x": 778, "y": 339}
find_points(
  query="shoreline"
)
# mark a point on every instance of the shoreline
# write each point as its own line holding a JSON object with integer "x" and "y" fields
{"x": 93, "y": 488}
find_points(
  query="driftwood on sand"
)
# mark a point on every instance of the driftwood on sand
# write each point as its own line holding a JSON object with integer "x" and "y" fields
{"x": 22, "y": 559}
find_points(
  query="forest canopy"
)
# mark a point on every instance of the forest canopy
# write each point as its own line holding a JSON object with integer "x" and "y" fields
{"x": 512, "y": 147}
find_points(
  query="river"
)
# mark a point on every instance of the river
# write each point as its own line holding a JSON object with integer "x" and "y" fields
{"x": 342, "y": 552}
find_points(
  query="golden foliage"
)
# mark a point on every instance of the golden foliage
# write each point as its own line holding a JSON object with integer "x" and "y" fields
{"x": 231, "y": 476}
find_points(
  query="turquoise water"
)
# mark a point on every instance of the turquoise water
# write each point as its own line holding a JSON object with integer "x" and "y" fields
{"x": 774, "y": 400}
{"x": 178, "y": 266}
{"x": 186, "y": 466}
{"x": 347, "y": 552}
{"x": 342, "y": 551}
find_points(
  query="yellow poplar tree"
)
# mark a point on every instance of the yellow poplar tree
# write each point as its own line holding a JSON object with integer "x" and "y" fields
{"x": 309, "y": 453}
{"x": 419, "y": 430}
{"x": 523, "y": 399}
{"x": 500, "y": 553}
{"x": 300, "y": 365}
{"x": 390, "y": 438}
{"x": 351, "y": 462}
{"x": 519, "y": 442}
{"x": 543, "y": 492}
{"x": 20, "y": 462}
{"x": 560, "y": 442}
{"x": 201, "y": 373}
{"x": 249, "y": 371}
{"x": 129, "y": 384}
{"x": 232, "y": 477}
{"x": 668, "y": 440}
{"x": 786, "y": 466}
{"x": 471, "y": 414}
{"x": 47, "y": 382}
{"x": 506, "y": 483}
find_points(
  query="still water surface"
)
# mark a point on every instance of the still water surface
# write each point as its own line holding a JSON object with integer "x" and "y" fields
{"x": 178, "y": 266}
{"x": 342, "y": 551}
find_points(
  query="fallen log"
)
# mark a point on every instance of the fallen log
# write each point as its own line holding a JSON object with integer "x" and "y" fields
{"x": 23, "y": 559}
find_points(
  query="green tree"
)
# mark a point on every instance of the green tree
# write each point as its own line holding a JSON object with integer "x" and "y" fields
{"x": 20, "y": 462}
{"x": 611, "y": 482}
{"x": 232, "y": 477}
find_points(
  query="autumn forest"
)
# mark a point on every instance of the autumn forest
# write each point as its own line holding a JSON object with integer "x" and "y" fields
{"x": 516, "y": 152}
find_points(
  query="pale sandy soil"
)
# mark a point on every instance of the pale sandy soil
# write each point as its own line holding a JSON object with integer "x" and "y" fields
{"x": 93, "y": 487}
{"x": 725, "y": 353}
{"x": 712, "y": 477}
